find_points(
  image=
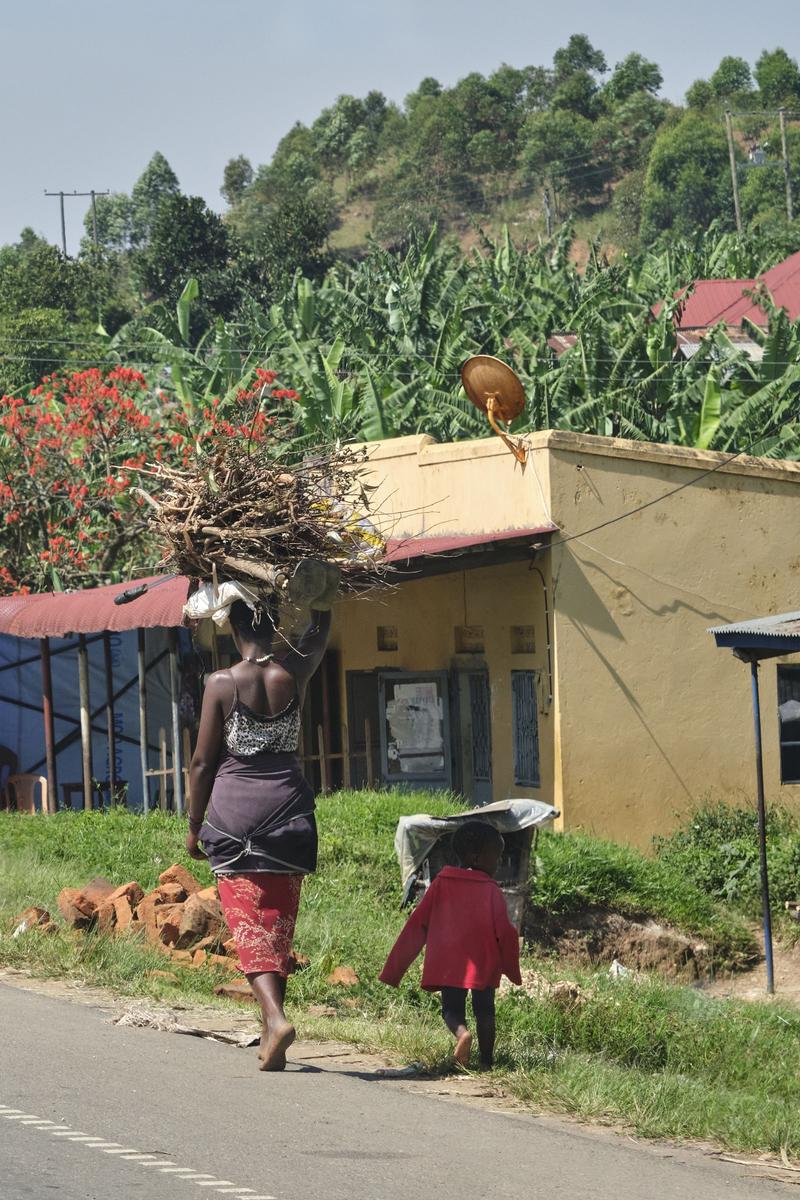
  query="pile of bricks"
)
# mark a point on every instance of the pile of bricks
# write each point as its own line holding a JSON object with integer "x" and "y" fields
{"x": 180, "y": 916}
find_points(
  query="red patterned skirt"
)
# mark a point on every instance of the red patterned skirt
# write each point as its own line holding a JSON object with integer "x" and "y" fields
{"x": 261, "y": 910}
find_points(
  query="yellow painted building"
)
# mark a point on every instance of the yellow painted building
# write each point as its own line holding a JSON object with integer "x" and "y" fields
{"x": 515, "y": 662}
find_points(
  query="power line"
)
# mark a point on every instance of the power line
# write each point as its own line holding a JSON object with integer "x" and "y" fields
{"x": 658, "y": 499}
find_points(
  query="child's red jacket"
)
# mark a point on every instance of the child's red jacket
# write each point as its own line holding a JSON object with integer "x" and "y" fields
{"x": 462, "y": 922}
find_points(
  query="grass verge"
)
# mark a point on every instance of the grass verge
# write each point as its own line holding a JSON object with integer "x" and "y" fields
{"x": 666, "y": 1061}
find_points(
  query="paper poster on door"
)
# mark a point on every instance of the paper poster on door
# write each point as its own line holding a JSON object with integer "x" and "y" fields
{"x": 415, "y": 719}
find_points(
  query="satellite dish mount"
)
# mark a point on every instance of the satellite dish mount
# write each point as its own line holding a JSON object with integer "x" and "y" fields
{"x": 494, "y": 388}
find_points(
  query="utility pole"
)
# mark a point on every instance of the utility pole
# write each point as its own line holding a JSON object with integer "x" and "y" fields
{"x": 548, "y": 212}
{"x": 94, "y": 196}
{"x": 734, "y": 179}
{"x": 785, "y": 156}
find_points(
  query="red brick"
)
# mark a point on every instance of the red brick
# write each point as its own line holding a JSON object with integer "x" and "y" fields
{"x": 230, "y": 948}
{"x": 29, "y": 918}
{"x": 212, "y": 944}
{"x": 97, "y": 891}
{"x": 131, "y": 891}
{"x": 123, "y": 911}
{"x": 168, "y": 912}
{"x": 72, "y": 908}
{"x": 199, "y": 958}
{"x": 167, "y": 976}
{"x": 169, "y": 932}
{"x": 146, "y": 915}
{"x": 181, "y": 956}
{"x": 242, "y": 992}
{"x": 343, "y": 977}
{"x": 172, "y": 893}
{"x": 178, "y": 874}
{"x": 106, "y": 917}
{"x": 222, "y": 962}
{"x": 196, "y": 923}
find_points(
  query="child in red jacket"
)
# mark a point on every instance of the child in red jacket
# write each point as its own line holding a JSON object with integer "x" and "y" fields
{"x": 462, "y": 922}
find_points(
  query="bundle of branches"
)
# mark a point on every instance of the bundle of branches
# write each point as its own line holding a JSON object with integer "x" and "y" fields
{"x": 244, "y": 516}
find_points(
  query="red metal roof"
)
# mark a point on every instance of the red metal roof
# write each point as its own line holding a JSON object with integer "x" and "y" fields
{"x": 709, "y": 299}
{"x": 724, "y": 300}
{"x": 424, "y": 546}
{"x": 93, "y": 610}
{"x": 55, "y": 614}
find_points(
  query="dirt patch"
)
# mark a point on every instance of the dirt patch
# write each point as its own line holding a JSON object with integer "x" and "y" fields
{"x": 595, "y": 936}
{"x": 752, "y": 984}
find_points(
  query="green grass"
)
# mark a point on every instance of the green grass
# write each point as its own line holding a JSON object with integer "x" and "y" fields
{"x": 663, "y": 1060}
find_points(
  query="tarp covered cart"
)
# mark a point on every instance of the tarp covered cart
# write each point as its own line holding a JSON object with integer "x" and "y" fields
{"x": 423, "y": 845}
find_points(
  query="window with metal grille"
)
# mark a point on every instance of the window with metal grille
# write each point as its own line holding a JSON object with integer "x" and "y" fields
{"x": 526, "y": 729}
{"x": 789, "y": 718}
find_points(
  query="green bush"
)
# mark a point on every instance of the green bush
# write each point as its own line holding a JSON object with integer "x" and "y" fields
{"x": 717, "y": 852}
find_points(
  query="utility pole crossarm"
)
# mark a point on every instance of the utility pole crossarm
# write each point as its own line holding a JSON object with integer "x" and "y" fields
{"x": 94, "y": 194}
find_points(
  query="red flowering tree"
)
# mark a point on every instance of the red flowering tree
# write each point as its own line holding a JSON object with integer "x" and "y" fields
{"x": 70, "y": 454}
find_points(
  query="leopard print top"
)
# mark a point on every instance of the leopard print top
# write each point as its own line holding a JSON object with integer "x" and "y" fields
{"x": 248, "y": 733}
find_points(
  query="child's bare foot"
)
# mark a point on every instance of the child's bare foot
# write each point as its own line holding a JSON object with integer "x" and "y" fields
{"x": 463, "y": 1048}
{"x": 274, "y": 1045}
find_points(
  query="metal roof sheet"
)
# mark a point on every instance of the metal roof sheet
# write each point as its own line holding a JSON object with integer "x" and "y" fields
{"x": 724, "y": 300}
{"x": 782, "y": 625}
{"x": 92, "y": 610}
{"x": 424, "y": 546}
{"x": 710, "y": 298}
{"x": 55, "y": 614}
{"x": 765, "y": 637}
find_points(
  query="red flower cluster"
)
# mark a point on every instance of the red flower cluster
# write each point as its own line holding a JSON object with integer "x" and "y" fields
{"x": 70, "y": 452}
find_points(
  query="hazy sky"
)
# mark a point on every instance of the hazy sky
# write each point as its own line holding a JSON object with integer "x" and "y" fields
{"x": 89, "y": 90}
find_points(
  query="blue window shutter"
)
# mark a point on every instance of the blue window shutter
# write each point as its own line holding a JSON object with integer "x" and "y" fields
{"x": 526, "y": 728}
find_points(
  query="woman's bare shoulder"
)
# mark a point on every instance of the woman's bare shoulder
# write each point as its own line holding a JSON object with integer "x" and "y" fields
{"x": 220, "y": 685}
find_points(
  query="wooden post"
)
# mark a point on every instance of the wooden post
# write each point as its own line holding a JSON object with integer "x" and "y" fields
{"x": 49, "y": 725}
{"x": 346, "y": 777}
{"x": 86, "y": 719}
{"x": 163, "y": 772}
{"x": 368, "y": 752}
{"x": 174, "y": 695}
{"x": 214, "y": 647}
{"x": 187, "y": 758}
{"x": 323, "y": 760}
{"x": 111, "y": 733}
{"x": 326, "y": 707}
{"x": 786, "y": 171}
{"x": 734, "y": 176}
{"x": 143, "y": 721}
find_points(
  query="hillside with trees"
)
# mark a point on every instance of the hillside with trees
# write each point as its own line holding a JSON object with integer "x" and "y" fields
{"x": 576, "y": 144}
{"x": 148, "y": 339}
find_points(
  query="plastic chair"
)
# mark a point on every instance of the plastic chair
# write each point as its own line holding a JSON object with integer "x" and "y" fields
{"x": 21, "y": 792}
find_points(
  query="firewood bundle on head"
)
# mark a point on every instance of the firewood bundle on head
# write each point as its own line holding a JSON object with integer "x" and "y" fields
{"x": 245, "y": 516}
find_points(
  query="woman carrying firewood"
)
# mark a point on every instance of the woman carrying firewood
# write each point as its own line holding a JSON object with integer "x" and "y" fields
{"x": 251, "y": 809}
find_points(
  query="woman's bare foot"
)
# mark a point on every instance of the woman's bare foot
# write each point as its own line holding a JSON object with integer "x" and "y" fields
{"x": 463, "y": 1048}
{"x": 274, "y": 1045}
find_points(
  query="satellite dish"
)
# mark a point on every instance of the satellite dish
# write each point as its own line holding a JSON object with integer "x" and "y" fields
{"x": 494, "y": 388}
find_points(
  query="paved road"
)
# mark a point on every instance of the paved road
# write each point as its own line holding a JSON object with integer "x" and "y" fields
{"x": 91, "y": 1111}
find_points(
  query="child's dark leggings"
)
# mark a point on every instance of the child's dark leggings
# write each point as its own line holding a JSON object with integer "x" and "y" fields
{"x": 454, "y": 1004}
{"x": 454, "y": 1013}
